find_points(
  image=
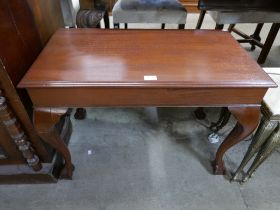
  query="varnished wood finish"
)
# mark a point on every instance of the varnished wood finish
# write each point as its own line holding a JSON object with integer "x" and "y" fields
{"x": 18, "y": 135}
{"x": 45, "y": 121}
{"x": 19, "y": 38}
{"x": 113, "y": 58}
{"x": 88, "y": 67}
{"x": 86, "y": 4}
{"x": 247, "y": 120}
{"x": 48, "y": 17}
{"x": 140, "y": 96}
{"x": 14, "y": 100}
{"x": 8, "y": 149}
{"x": 20, "y": 45}
{"x": 22, "y": 174}
{"x": 190, "y": 5}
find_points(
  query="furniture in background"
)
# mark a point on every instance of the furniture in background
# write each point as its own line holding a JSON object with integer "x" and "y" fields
{"x": 69, "y": 10}
{"x": 48, "y": 17}
{"x": 90, "y": 15}
{"x": 267, "y": 136}
{"x": 146, "y": 11}
{"x": 90, "y": 18}
{"x": 114, "y": 75}
{"x": 190, "y": 5}
{"x": 25, "y": 26}
{"x": 234, "y": 12}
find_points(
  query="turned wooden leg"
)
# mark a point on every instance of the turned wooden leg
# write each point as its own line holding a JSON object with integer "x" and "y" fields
{"x": 45, "y": 121}
{"x": 18, "y": 135}
{"x": 247, "y": 120}
{"x": 264, "y": 130}
{"x": 80, "y": 114}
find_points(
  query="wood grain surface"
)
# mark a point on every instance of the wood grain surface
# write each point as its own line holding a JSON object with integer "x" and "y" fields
{"x": 121, "y": 58}
{"x": 93, "y": 67}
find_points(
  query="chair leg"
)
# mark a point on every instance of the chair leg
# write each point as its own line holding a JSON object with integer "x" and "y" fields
{"x": 162, "y": 26}
{"x": 116, "y": 25}
{"x": 256, "y": 35}
{"x": 231, "y": 26}
{"x": 265, "y": 129}
{"x": 222, "y": 121}
{"x": 200, "y": 19}
{"x": 181, "y": 26}
{"x": 266, "y": 150}
{"x": 106, "y": 20}
{"x": 199, "y": 113}
{"x": 219, "y": 27}
{"x": 125, "y": 26}
{"x": 268, "y": 42}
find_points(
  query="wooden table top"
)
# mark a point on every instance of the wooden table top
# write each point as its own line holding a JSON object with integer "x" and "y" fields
{"x": 122, "y": 58}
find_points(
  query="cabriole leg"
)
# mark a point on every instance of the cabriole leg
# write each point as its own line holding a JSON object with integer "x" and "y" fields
{"x": 45, "y": 121}
{"x": 247, "y": 120}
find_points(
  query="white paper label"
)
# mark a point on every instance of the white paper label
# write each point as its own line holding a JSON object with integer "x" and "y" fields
{"x": 150, "y": 77}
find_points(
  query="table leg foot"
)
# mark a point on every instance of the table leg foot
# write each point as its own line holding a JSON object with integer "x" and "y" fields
{"x": 247, "y": 120}
{"x": 219, "y": 169}
{"x": 45, "y": 121}
{"x": 80, "y": 114}
{"x": 67, "y": 172}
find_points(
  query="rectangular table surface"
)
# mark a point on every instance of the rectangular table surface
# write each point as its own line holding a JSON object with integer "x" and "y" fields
{"x": 95, "y": 67}
{"x": 124, "y": 58}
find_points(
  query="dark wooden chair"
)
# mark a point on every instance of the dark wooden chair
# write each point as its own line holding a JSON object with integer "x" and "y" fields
{"x": 235, "y": 12}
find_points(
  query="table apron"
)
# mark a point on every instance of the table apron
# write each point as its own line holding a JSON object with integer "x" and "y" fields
{"x": 125, "y": 96}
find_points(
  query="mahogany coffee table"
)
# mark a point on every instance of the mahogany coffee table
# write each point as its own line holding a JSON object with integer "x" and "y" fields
{"x": 132, "y": 68}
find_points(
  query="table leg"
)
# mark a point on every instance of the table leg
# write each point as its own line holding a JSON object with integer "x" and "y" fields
{"x": 45, "y": 121}
{"x": 199, "y": 113}
{"x": 80, "y": 114}
{"x": 265, "y": 129}
{"x": 247, "y": 120}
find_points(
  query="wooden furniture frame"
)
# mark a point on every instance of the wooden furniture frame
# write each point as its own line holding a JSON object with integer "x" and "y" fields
{"x": 132, "y": 68}
{"x": 253, "y": 39}
{"x": 25, "y": 27}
